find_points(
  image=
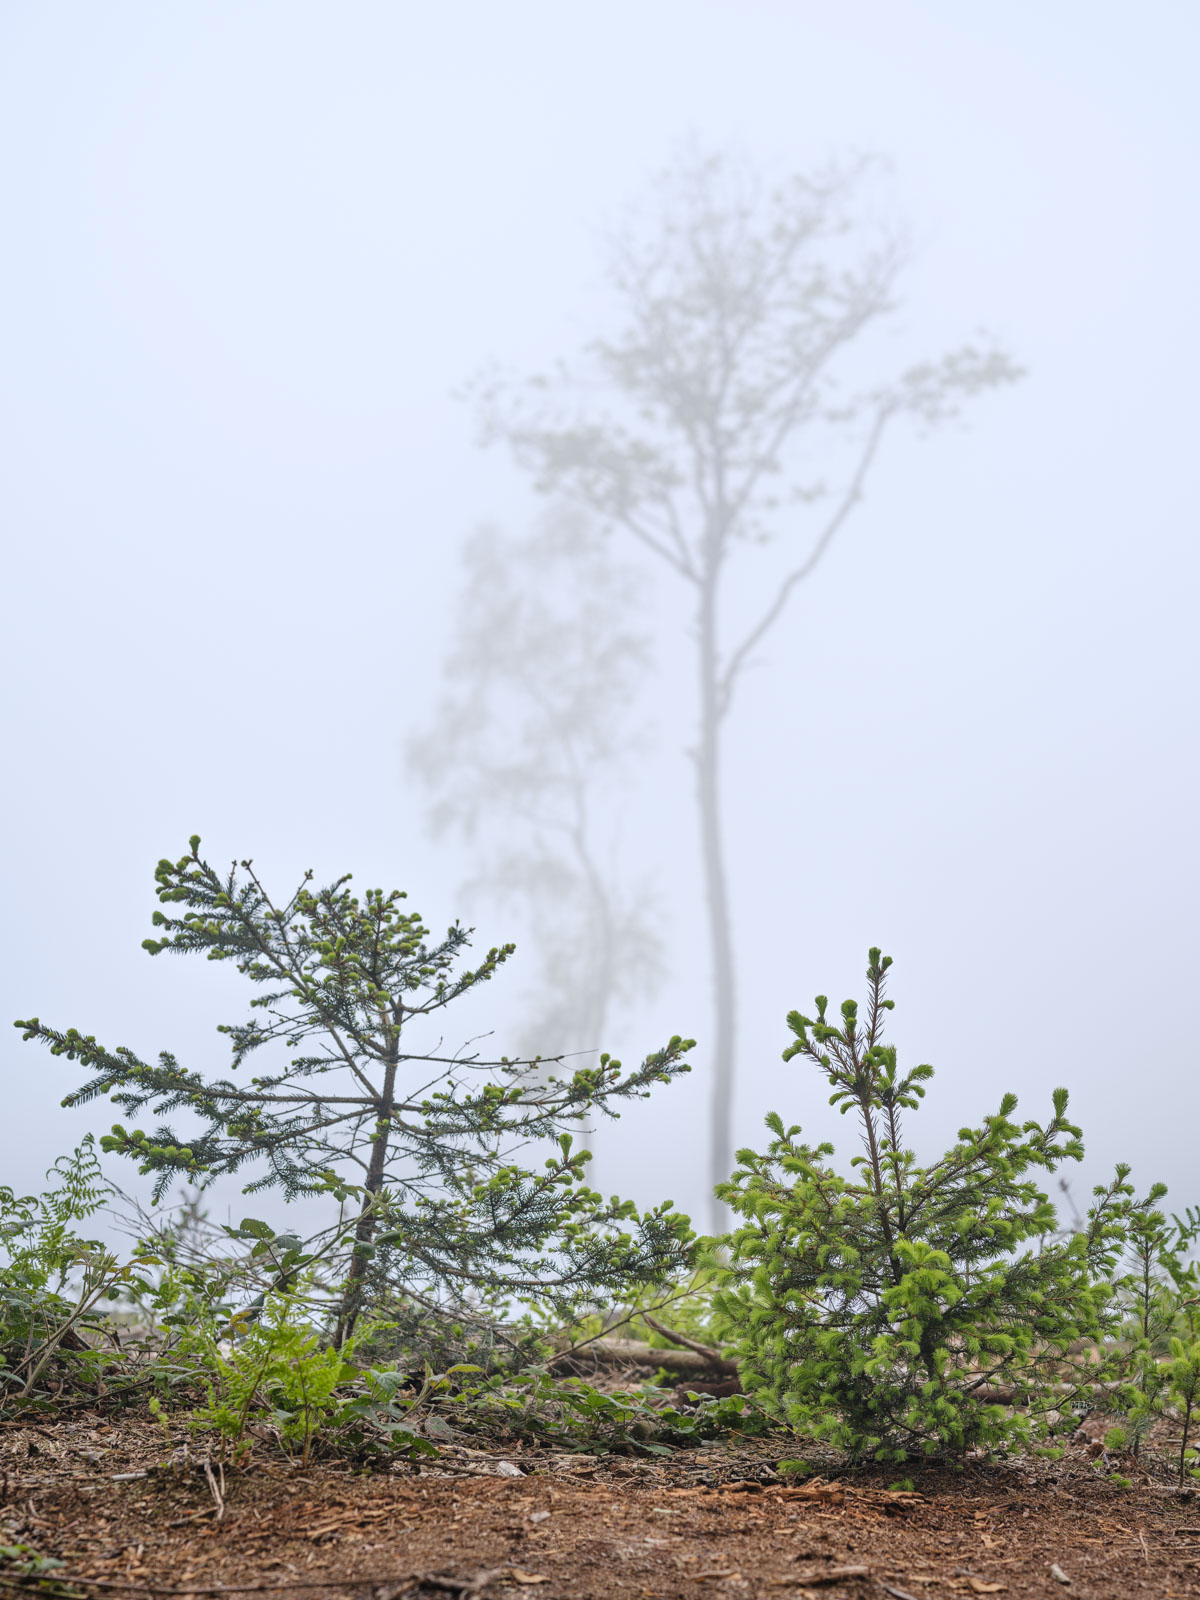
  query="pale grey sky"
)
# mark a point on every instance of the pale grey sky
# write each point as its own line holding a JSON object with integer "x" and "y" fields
{"x": 251, "y": 250}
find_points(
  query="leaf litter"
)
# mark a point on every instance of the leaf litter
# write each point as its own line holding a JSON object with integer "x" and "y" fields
{"x": 712, "y": 1522}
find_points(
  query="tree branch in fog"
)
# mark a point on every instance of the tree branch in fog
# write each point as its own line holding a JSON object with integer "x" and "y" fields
{"x": 730, "y": 412}
{"x": 526, "y": 758}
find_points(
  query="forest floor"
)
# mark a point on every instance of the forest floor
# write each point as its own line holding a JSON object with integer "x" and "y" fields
{"x": 128, "y": 1519}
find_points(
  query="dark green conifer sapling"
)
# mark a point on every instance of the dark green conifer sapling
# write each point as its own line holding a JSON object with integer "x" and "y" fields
{"x": 445, "y": 1224}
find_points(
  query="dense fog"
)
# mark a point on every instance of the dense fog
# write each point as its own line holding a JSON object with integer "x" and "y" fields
{"x": 299, "y": 560}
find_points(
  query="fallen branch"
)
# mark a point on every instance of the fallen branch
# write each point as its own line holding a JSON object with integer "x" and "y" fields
{"x": 822, "y": 1575}
{"x": 406, "y": 1581}
{"x": 634, "y": 1353}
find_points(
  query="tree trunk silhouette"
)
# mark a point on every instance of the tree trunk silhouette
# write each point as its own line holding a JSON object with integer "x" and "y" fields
{"x": 527, "y": 757}
{"x": 716, "y": 888}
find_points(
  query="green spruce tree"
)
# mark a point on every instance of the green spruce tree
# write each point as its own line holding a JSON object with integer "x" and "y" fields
{"x": 906, "y": 1309}
{"x": 1157, "y": 1298}
{"x": 355, "y": 1101}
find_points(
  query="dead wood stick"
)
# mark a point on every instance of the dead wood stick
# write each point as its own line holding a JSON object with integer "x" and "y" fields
{"x": 704, "y": 1350}
{"x": 428, "y": 1580}
{"x": 218, "y": 1497}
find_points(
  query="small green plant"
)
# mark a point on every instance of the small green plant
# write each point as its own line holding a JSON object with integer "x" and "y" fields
{"x": 1158, "y": 1287}
{"x": 23, "y": 1561}
{"x": 907, "y": 1309}
{"x": 53, "y": 1280}
{"x": 271, "y": 1368}
{"x": 1183, "y": 1377}
{"x": 1157, "y": 1292}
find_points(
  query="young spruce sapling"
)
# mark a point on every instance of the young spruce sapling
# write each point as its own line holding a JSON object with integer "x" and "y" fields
{"x": 447, "y": 1227}
{"x": 909, "y": 1309}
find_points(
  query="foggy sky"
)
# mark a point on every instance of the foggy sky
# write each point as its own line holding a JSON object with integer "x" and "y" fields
{"x": 251, "y": 252}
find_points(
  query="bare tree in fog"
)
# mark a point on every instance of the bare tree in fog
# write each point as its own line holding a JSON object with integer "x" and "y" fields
{"x": 728, "y": 411}
{"x": 526, "y": 757}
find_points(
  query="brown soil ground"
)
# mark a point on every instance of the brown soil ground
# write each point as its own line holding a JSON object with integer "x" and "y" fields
{"x": 712, "y": 1522}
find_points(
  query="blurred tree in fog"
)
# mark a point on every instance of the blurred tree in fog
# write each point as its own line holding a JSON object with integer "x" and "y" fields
{"x": 729, "y": 410}
{"x": 526, "y": 758}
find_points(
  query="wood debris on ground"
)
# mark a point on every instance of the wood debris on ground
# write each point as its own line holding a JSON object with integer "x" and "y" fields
{"x": 127, "y": 1524}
